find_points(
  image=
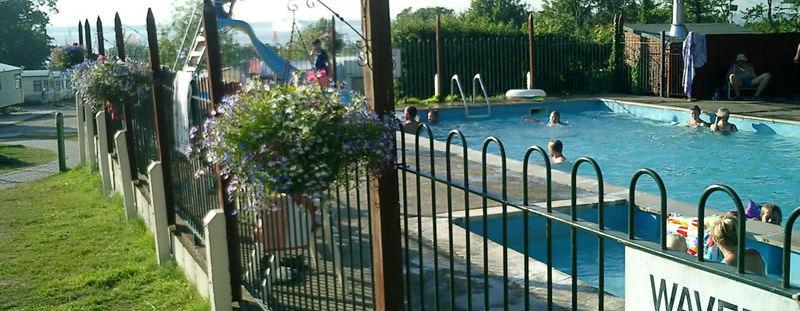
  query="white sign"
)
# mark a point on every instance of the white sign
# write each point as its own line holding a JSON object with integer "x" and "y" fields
{"x": 655, "y": 283}
{"x": 396, "y": 67}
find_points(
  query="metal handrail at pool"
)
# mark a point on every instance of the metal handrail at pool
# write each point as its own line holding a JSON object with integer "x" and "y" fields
{"x": 524, "y": 206}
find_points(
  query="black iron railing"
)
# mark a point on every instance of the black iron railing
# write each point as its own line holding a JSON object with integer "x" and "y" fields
{"x": 495, "y": 189}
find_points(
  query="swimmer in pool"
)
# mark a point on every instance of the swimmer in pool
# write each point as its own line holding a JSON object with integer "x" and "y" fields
{"x": 696, "y": 121}
{"x": 721, "y": 124}
{"x": 556, "y": 147}
{"x": 554, "y": 120}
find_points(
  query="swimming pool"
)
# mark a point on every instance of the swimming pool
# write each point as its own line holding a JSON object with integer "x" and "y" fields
{"x": 616, "y": 218}
{"x": 624, "y": 138}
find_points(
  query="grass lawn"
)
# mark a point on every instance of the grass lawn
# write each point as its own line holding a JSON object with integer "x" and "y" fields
{"x": 17, "y": 157}
{"x": 64, "y": 245}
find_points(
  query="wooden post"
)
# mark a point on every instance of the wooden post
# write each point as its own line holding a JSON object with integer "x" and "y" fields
{"x": 214, "y": 64}
{"x": 101, "y": 45}
{"x": 80, "y": 33}
{"x": 662, "y": 69}
{"x": 332, "y": 49}
{"x": 162, "y": 129}
{"x": 384, "y": 206}
{"x": 530, "y": 50}
{"x": 439, "y": 78}
{"x": 87, "y": 31}
{"x": 119, "y": 37}
{"x": 127, "y": 107}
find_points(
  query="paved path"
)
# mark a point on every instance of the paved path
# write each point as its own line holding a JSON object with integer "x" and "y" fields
{"x": 37, "y": 121}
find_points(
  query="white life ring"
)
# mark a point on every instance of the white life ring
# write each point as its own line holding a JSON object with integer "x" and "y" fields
{"x": 525, "y": 93}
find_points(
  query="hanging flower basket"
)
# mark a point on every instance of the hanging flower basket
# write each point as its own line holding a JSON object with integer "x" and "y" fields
{"x": 292, "y": 140}
{"x": 114, "y": 82}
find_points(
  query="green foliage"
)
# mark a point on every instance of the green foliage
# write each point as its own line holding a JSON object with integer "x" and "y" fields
{"x": 17, "y": 157}
{"x": 69, "y": 247}
{"x": 452, "y": 98}
{"x": 504, "y": 12}
{"x": 134, "y": 50}
{"x": 65, "y": 57}
{"x": 171, "y": 38}
{"x": 774, "y": 16}
{"x": 23, "y": 36}
{"x": 421, "y": 24}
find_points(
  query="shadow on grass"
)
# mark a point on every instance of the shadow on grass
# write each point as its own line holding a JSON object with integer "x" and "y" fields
{"x": 9, "y": 163}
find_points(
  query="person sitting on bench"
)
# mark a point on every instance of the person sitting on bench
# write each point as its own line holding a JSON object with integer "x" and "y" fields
{"x": 742, "y": 74}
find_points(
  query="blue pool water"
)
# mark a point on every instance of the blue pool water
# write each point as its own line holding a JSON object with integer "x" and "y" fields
{"x": 616, "y": 219}
{"x": 759, "y": 167}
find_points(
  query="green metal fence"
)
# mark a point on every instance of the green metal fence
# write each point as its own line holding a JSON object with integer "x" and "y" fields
{"x": 562, "y": 65}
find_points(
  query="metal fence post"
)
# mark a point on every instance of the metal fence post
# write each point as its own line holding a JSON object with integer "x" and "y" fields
{"x": 62, "y": 159}
{"x": 101, "y": 46}
{"x": 80, "y": 33}
{"x": 530, "y": 51}
{"x": 214, "y": 63}
{"x": 332, "y": 48}
{"x": 87, "y": 31}
{"x": 439, "y": 96}
{"x": 384, "y": 196}
{"x": 662, "y": 73}
{"x": 127, "y": 107}
{"x": 162, "y": 129}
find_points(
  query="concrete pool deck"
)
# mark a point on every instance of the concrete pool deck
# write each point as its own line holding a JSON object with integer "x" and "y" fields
{"x": 786, "y": 112}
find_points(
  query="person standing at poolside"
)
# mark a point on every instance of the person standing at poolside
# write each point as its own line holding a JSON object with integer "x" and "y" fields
{"x": 556, "y": 147}
{"x": 696, "y": 121}
{"x": 721, "y": 125}
{"x": 321, "y": 62}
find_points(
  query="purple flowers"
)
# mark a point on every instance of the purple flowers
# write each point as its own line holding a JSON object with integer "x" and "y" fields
{"x": 291, "y": 140}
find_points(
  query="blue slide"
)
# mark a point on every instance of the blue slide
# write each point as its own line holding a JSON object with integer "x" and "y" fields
{"x": 280, "y": 67}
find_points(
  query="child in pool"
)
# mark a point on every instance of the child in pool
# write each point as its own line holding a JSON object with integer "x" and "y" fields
{"x": 553, "y": 120}
{"x": 677, "y": 242}
{"x": 769, "y": 212}
{"x": 556, "y": 147}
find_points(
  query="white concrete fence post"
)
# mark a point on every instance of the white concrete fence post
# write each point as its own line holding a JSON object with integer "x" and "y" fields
{"x": 102, "y": 152}
{"x": 219, "y": 277}
{"x": 89, "y": 132}
{"x": 125, "y": 168}
{"x": 158, "y": 216}
{"x": 81, "y": 126}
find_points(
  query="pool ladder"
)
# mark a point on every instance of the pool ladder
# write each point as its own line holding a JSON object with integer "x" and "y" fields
{"x": 476, "y": 81}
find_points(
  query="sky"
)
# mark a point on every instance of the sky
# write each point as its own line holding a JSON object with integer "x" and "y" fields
{"x": 133, "y": 12}
{"x": 275, "y": 11}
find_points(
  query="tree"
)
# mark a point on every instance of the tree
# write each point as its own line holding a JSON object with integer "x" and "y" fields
{"x": 420, "y": 24}
{"x": 706, "y": 11}
{"x": 134, "y": 50}
{"x": 64, "y": 57}
{"x": 513, "y": 12}
{"x": 186, "y": 18}
{"x": 301, "y": 43}
{"x": 775, "y": 16}
{"x": 22, "y": 32}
